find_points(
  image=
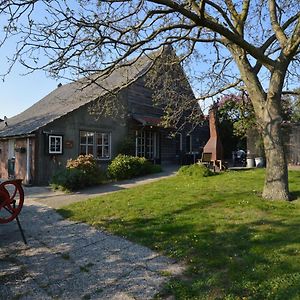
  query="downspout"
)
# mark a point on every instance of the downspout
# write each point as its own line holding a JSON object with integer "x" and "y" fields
{"x": 28, "y": 160}
{"x": 136, "y": 143}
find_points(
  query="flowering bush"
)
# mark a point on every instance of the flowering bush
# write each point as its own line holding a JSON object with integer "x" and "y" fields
{"x": 126, "y": 166}
{"x": 86, "y": 163}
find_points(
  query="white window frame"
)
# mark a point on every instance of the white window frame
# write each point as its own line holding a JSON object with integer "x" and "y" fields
{"x": 86, "y": 144}
{"x": 103, "y": 145}
{"x": 58, "y": 141}
{"x": 95, "y": 144}
{"x": 147, "y": 144}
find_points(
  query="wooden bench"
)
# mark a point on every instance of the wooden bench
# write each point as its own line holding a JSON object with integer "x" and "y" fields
{"x": 206, "y": 159}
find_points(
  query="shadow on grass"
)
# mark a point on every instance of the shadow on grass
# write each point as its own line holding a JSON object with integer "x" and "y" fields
{"x": 253, "y": 259}
{"x": 295, "y": 195}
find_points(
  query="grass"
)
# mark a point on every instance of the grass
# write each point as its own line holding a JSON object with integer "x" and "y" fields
{"x": 236, "y": 245}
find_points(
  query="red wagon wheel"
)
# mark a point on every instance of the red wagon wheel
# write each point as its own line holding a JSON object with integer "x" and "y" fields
{"x": 11, "y": 200}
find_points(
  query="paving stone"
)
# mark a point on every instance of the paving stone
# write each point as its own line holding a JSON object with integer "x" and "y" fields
{"x": 138, "y": 284}
{"x": 47, "y": 268}
{"x": 70, "y": 260}
{"x": 23, "y": 288}
{"x": 111, "y": 295}
{"x": 108, "y": 270}
{"x": 77, "y": 286}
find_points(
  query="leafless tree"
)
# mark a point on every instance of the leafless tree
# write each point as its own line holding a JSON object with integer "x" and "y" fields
{"x": 246, "y": 44}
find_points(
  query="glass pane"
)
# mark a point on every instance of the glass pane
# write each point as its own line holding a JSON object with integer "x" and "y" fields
{"x": 90, "y": 138}
{"x": 82, "y": 150}
{"x": 90, "y": 150}
{"x": 106, "y": 151}
{"x": 99, "y": 151}
{"x": 99, "y": 139}
{"x": 105, "y": 139}
{"x": 82, "y": 137}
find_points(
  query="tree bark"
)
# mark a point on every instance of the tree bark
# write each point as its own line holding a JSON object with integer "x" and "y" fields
{"x": 276, "y": 178}
{"x": 276, "y": 181}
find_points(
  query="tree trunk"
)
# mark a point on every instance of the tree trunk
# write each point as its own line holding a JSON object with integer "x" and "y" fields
{"x": 276, "y": 181}
{"x": 267, "y": 107}
{"x": 276, "y": 178}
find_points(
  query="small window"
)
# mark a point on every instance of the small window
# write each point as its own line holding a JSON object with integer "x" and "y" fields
{"x": 55, "y": 144}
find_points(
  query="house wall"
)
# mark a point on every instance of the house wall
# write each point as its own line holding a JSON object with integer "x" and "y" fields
{"x": 20, "y": 155}
{"x": 69, "y": 126}
{"x": 3, "y": 159}
{"x": 140, "y": 102}
{"x": 21, "y": 158}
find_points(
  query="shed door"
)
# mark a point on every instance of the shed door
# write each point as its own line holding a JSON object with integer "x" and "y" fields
{"x": 11, "y": 148}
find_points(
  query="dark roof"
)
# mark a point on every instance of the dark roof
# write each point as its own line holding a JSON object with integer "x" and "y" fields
{"x": 69, "y": 97}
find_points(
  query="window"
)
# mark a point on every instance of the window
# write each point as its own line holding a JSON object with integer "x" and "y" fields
{"x": 95, "y": 143}
{"x": 55, "y": 144}
{"x": 147, "y": 144}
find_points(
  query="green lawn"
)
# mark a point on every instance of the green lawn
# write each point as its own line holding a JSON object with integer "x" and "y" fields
{"x": 236, "y": 245}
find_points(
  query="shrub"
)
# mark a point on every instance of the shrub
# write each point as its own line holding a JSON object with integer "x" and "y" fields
{"x": 68, "y": 180}
{"x": 79, "y": 173}
{"x": 195, "y": 170}
{"x": 126, "y": 166}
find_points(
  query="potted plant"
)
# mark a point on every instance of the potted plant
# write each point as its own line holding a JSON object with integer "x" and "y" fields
{"x": 250, "y": 160}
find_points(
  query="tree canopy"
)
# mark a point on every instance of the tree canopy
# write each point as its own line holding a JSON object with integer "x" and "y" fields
{"x": 251, "y": 45}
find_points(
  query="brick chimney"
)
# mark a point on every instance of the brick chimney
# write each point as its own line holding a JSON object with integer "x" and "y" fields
{"x": 214, "y": 145}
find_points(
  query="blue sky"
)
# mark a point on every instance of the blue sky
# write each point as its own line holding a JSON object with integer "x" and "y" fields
{"x": 20, "y": 92}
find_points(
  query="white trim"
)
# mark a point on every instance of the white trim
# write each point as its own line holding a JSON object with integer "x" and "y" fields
{"x": 58, "y": 141}
{"x": 28, "y": 162}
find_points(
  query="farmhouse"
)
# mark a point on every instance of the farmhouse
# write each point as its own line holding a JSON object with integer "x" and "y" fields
{"x": 66, "y": 123}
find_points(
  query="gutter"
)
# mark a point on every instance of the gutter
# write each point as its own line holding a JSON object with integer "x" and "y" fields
{"x": 17, "y": 136}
